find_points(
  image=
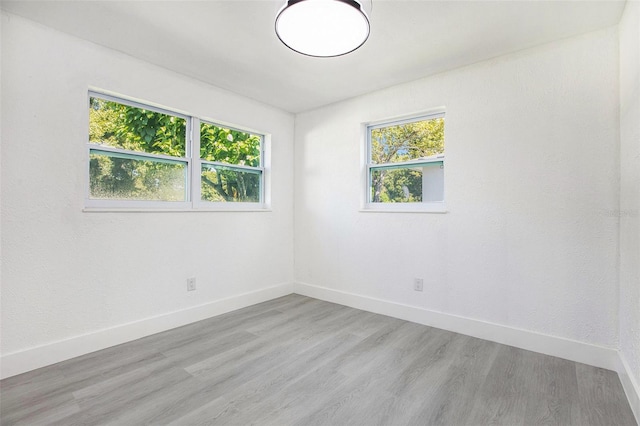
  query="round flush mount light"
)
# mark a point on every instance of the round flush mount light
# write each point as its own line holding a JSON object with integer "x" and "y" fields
{"x": 322, "y": 28}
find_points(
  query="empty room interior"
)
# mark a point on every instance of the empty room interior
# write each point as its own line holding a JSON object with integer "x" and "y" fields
{"x": 331, "y": 212}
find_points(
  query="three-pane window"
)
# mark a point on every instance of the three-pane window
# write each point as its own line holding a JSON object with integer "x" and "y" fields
{"x": 142, "y": 156}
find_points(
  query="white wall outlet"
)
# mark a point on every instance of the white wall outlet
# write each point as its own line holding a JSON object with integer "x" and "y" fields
{"x": 191, "y": 284}
{"x": 418, "y": 284}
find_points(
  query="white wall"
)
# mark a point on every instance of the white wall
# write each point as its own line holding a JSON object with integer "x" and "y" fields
{"x": 68, "y": 273}
{"x": 530, "y": 240}
{"x": 630, "y": 197}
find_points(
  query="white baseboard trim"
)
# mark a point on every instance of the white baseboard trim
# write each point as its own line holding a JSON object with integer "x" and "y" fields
{"x": 30, "y": 359}
{"x": 572, "y": 350}
{"x": 630, "y": 385}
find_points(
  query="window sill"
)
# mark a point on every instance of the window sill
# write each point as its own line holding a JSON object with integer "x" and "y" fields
{"x": 438, "y": 208}
{"x": 152, "y": 210}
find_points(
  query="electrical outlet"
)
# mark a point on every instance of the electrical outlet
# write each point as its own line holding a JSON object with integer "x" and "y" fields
{"x": 191, "y": 284}
{"x": 418, "y": 284}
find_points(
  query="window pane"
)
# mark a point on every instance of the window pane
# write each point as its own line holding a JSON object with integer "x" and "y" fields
{"x": 127, "y": 177}
{"x": 136, "y": 129}
{"x": 405, "y": 142}
{"x": 225, "y": 184}
{"x": 408, "y": 184}
{"x": 229, "y": 146}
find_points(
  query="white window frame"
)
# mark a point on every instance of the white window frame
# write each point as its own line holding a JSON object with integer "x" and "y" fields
{"x": 192, "y": 161}
{"x": 414, "y": 207}
{"x": 203, "y": 204}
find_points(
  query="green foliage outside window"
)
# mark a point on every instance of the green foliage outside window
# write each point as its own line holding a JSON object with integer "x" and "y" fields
{"x": 136, "y": 129}
{"x": 229, "y": 146}
{"x": 115, "y": 176}
{"x": 123, "y": 177}
{"x": 401, "y": 143}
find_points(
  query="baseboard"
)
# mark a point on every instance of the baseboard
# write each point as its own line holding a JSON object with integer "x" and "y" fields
{"x": 572, "y": 350}
{"x": 41, "y": 356}
{"x": 630, "y": 385}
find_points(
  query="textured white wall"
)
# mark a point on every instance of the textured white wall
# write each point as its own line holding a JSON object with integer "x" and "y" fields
{"x": 66, "y": 273}
{"x": 630, "y": 188}
{"x": 531, "y": 237}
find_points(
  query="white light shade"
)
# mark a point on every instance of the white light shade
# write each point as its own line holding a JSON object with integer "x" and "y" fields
{"x": 322, "y": 27}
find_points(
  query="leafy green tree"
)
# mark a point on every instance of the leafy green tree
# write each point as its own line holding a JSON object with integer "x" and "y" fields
{"x": 137, "y": 129}
{"x": 396, "y": 144}
{"x": 229, "y": 146}
{"x": 121, "y": 176}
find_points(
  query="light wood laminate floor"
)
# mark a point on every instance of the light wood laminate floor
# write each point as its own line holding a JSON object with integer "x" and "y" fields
{"x": 301, "y": 361}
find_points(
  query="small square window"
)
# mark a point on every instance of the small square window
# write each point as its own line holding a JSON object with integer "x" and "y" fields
{"x": 405, "y": 162}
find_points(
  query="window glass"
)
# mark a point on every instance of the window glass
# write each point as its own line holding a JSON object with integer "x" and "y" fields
{"x": 221, "y": 148}
{"x": 408, "y": 141}
{"x": 127, "y": 177}
{"x": 406, "y": 161}
{"x": 224, "y": 145}
{"x": 225, "y": 184}
{"x": 136, "y": 129}
{"x": 143, "y": 156}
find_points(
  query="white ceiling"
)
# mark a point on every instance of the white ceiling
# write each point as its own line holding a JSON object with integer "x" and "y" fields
{"x": 232, "y": 44}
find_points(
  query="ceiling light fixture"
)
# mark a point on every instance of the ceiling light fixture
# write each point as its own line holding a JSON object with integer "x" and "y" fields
{"x": 322, "y": 28}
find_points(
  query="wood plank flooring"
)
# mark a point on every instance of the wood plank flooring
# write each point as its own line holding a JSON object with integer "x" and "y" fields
{"x": 301, "y": 361}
